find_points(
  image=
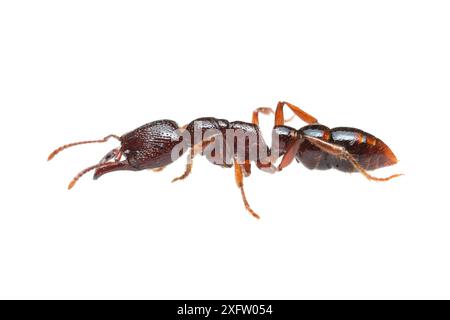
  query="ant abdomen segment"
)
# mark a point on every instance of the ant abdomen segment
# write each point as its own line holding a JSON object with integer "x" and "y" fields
{"x": 370, "y": 152}
{"x": 318, "y": 147}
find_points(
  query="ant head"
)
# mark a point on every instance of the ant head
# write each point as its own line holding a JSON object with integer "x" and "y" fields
{"x": 150, "y": 146}
{"x": 147, "y": 147}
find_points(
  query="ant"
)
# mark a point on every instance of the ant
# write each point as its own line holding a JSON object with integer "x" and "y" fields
{"x": 157, "y": 144}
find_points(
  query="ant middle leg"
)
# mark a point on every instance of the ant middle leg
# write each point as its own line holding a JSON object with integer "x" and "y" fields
{"x": 247, "y": 168}
{"x": 279, "y": 115}
{"x": 263, "y": 110}
{"x": 240, "y": 183}
{"x": 266, "y": 111}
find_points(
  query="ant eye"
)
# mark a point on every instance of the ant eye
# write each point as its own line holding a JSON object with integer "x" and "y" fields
{"x": 111, "y": 156}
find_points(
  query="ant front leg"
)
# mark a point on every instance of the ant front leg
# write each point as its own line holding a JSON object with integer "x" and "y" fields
{"x": 195, "y": 150}
{"x": 341, "y": 152}
{"x": 189, "y": 164}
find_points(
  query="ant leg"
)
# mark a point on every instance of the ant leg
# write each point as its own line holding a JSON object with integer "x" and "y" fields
{"x": 290, "y": 154}
{"x": 266, "y": 166}
{"x": 341, "y": 152}
{"x": 158, "y": 169}
{"x": 240, "y": 183}
{"x": 279, "y": 116}
{"x": 247, "y": 168}
{"x": 193, "y": 152}
{"x": 266, "y": 111}
{"x": 285, "y": 161}
{"x": 189, "y": 164}
{"x": 263, "y": 110}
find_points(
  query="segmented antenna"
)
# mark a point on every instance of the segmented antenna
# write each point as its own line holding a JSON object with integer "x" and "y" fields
{"x": 83, "y": 172}
{"x": 58, "y": 150}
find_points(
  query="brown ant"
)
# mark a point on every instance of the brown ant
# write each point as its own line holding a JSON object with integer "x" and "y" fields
{"x": 157, "y": 144}
{"x": 319, "y": 147}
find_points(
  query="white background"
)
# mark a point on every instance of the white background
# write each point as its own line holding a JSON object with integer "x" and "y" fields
{"x": 80, "y": 70}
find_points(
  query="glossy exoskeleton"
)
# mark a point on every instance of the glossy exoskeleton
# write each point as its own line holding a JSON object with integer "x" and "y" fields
{"x": 319, "y": 147}
{"x": 159, "y": 143}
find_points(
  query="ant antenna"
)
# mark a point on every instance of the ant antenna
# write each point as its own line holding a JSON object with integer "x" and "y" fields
{"x": 58, "y": 150}
{"x": 83, "y": 172}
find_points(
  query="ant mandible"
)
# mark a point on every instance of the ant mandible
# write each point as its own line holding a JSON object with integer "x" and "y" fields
{"x": 155, "y": 145}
